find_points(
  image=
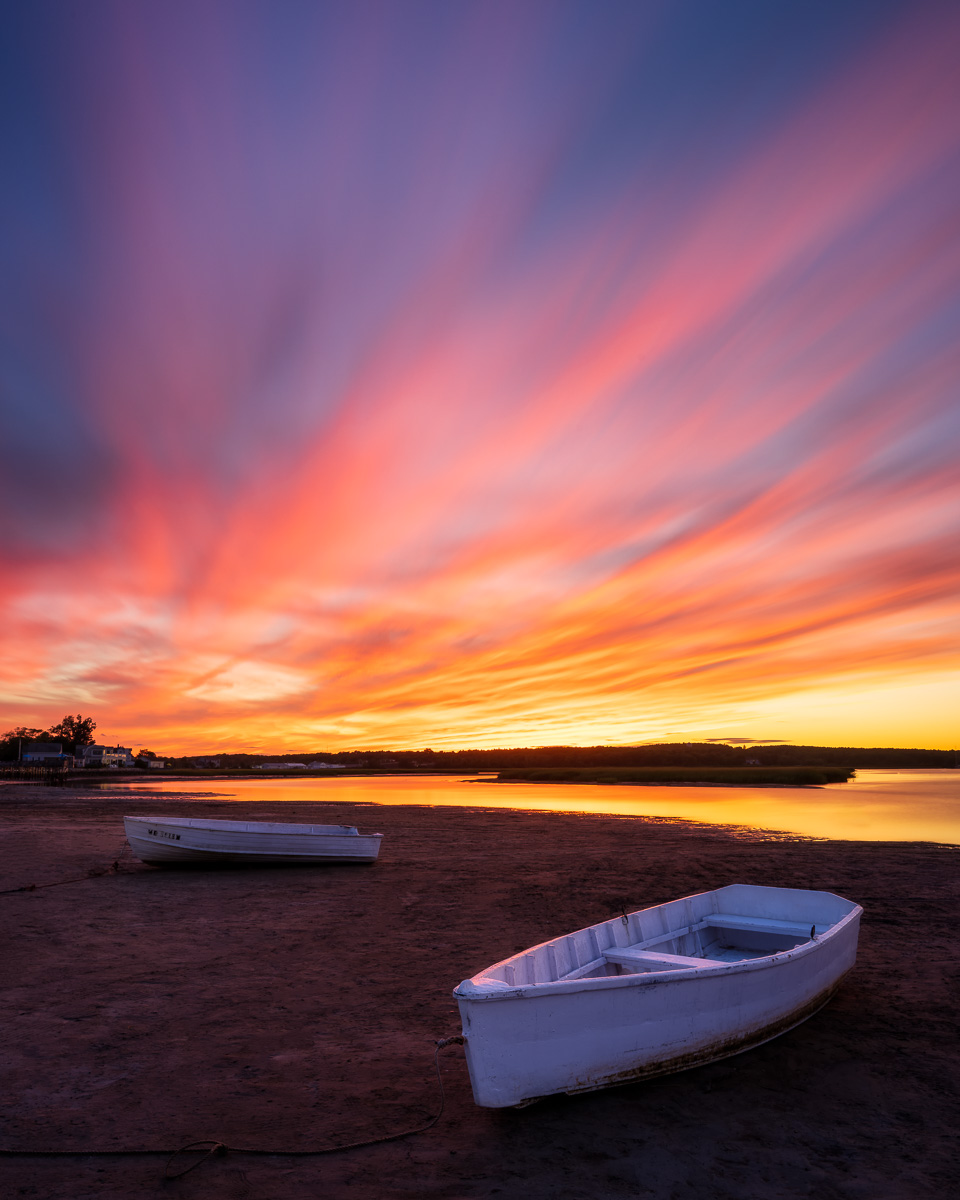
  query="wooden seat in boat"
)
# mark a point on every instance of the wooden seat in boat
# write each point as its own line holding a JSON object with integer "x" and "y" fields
{"x": 759, "y": 925}
{"x": 626, "y": 956}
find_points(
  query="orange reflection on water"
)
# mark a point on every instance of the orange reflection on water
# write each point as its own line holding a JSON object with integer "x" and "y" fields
{"x": 876, "y": 806}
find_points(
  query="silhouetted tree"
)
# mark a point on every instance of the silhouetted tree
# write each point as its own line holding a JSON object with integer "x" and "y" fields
{"x": 78, "y": 730}
{"x": 13, "y": 739}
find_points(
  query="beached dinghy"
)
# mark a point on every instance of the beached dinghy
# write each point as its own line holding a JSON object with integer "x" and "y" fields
{"x": 162, "y": 840}
{"x": 654, "y": 991}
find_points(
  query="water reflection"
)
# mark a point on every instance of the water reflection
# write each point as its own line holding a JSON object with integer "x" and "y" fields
{"x": 876, "y": 806}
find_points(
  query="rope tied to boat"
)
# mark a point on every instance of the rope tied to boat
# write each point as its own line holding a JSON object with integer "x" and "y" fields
{"x": 94, "y": 873}
{"x": 205, "y": 1148}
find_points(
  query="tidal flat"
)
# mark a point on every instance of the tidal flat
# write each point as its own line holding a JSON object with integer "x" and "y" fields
{"x": 297, "y": 1008}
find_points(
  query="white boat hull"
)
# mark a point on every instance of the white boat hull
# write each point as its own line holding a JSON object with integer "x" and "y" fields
{"x": 579, "y": 1034}
{"x": 180, "y": 840}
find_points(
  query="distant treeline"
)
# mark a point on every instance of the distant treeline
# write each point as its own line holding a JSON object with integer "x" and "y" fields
{"x": 667, "y": 754}
{"x": 735, "y": 776}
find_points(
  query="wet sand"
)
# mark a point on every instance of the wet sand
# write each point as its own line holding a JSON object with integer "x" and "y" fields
{"x": 297, "y": 1008}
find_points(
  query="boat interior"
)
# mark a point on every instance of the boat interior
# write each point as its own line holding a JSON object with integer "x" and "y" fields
{"x": 723, "y": 938}
{"x": 699, "y": 931}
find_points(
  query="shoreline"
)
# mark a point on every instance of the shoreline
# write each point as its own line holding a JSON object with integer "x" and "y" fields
{"x": 106, "y": 781}
{"x": 653, "y": 783}
{"x": 104, "y": 785}
{"x": 768, "y": 822}
{"x": 298, "y": 1007}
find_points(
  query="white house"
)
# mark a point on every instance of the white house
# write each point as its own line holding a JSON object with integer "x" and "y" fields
{"x": 106, "y": 756}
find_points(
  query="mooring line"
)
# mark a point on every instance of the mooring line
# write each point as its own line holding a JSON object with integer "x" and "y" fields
{"x": 93, "y": 873}
{"x": 207, "y": 1147}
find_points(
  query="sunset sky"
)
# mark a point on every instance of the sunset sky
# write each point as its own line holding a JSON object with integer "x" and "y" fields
{"x": 481, "y": 374}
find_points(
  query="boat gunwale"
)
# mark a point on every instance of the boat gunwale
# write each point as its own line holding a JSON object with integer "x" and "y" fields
{"x": 497, "y": 990}
{"x": 275, "y": 828}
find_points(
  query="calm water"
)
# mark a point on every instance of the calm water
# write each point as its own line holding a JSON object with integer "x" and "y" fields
{"x": 876, "y": 806}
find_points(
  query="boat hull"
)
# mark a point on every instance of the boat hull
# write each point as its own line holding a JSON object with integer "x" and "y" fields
{"x": 182, "y": 842}
{"x": 579, "y": 1035}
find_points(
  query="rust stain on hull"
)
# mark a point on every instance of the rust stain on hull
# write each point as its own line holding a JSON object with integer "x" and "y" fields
{"x": 724, "y": 1048}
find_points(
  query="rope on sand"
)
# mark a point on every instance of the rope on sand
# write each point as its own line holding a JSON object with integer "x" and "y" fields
{"x": 205, "y": 1148}
{"x": 93, "y": 873}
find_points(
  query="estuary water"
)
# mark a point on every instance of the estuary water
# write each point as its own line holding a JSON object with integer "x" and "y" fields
{"x": 899, "y": 806}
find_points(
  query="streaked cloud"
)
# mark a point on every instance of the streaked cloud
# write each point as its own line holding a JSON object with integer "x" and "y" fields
{"x": 480, "y": 375}
{"x": 746, "y": 741}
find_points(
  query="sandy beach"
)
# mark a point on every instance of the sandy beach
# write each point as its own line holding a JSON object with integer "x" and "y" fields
{"x": 296, "y": 1008}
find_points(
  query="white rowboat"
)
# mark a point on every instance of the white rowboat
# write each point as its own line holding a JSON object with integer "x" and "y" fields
{"x": 163, "y": 840}
{"x": 655, "y": 991}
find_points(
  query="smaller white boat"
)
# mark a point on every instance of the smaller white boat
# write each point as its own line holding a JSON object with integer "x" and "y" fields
{"x": 171, "y": 840}
{"x": 655, "y": 991}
